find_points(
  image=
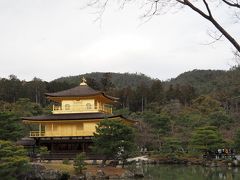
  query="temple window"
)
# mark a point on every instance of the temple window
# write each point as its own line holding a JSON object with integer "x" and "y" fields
{"x": 67, "y": 106}
{"x": 89, "y": 106}
{"x": 80, "y": 126}
{"x": 55, "y": 127}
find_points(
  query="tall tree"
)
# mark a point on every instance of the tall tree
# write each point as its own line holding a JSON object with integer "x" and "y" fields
{"x": 170, "y": 93}
{"x": 13, "y": 161}
{"x": 10, "y": 127}
{"x": 237, "y": 140}
{"x": 206, "y": 138}
{"x": 157, "y": 93}
{"x": 113, "y": 139}
{"x": 107, "y": 82}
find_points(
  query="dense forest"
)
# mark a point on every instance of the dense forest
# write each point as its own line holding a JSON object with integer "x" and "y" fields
{"x": 170, "y": 111}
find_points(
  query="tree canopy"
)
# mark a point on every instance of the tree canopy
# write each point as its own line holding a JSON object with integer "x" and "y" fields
{"x": 206, "y": 138}
{"x": 13, "y": 161}
{"x": 10, "y": 127}
{"x": 114, "y": 139}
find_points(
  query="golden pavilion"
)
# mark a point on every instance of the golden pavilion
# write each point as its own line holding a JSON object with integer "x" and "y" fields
{"x": 70, "y": 127}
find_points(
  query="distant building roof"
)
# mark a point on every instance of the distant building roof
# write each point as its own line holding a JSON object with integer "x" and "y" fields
{"x": 26, "y": 142}
{"x": 77, "y": 116}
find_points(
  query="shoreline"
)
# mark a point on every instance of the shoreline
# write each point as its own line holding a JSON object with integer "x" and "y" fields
{"x": 194, "y": 161}
{"x": 55, "y": 170}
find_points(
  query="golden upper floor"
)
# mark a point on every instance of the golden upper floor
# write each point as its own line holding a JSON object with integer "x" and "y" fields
{"x": 65, "y": 129}
{"x": 82, "y": 106}
{"x": 69, "y": 125}
{"x": 81, "y": 99}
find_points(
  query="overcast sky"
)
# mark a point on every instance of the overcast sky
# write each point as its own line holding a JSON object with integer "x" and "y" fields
{"x": 54, "y": 38}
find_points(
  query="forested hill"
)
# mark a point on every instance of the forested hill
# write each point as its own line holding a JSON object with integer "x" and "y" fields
{"x": 204, "y": 81}
{"x": 211, "y": 81}
{"x": 119, "y": 80}
{"x": 172, "y": 109}
{"x": 219, "y": 84}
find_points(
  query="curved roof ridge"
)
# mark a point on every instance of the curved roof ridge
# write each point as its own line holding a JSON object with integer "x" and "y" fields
{"x": 75, "y": 91}
{"x": 80, "y": 91}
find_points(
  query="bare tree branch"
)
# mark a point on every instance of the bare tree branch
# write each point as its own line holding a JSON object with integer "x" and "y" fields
{"x": 157, "y": 7}
{"x": 215, "y": 37}
{"x": 189, "y": 4}
{"x": 214, "y": 22}
{"x": 208, "y": 9}
{"x": 231, "y": 3}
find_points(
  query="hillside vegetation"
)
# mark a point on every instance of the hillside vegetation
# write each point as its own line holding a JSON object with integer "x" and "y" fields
{"x": 172, "y": 114}
{"x": 119, "y": 80}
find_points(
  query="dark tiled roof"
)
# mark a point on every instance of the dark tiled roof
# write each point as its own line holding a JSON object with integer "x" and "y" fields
{"x": 79, "y": 91}
{"x": 26, "y": 142}
{"x": 77, "y": 116}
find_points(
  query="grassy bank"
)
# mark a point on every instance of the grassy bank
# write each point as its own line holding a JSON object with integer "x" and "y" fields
{"x": 93, "y": 169}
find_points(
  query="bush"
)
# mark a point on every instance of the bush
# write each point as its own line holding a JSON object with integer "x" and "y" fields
{"x": 13, "y": 161}
{"x": 79, "y": 164}
{"x": 65, "y": 176}
{"x": 66, "y": 161}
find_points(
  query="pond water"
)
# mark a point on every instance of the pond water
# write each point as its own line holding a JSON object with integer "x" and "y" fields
{"x": 181, "y": 172}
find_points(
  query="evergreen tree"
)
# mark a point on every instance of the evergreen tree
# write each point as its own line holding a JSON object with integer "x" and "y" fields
{"x": 237, "y": 140}
{"x": 10, "y": 127}
{"x": 13, "y": 161}
{"x": 106, "y": 82}
{"x": 79, "y": 164}
{"x": 114, "y": 140}
{"x": 157, "y": 93}
{"x": 206, "y": 138}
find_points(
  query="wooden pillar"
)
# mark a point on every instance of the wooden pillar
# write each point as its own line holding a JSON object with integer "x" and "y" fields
{"x": 51, "y": 148}
{"x": 83, "y": 147}
{"x": 52, "y": 128}
{"x": 236, "y": 110}
{"x": 40, "y": 129}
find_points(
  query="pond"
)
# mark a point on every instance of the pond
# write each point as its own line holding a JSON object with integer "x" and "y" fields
{"x": 181, "y": 172}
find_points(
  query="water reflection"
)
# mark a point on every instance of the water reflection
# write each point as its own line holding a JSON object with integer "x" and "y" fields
{"x": 180, "y": 172}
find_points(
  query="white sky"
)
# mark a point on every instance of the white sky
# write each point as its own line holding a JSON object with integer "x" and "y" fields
{"x": 54, "y": 38}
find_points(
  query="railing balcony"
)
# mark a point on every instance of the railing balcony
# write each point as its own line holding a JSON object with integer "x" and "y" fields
{"x": 37, "y": 133}
{"x": 81, "y": 109}
{"x": 60, "y": 133}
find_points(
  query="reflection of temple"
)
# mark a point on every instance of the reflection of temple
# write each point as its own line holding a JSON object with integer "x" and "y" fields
{"x": 70, "y": 127}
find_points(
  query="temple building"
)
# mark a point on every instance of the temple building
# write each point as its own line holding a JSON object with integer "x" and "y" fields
{"x": 70, "y": 127}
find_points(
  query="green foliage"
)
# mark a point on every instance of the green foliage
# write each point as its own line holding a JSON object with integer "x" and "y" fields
{"x": 206, "y": 138}
{"x": 169, "y": 109}
{"x": 66, "y": 161}
{"x": 157, "y": 92}
{"x": 119, "y": 80}
{"x": 24, "y": 107}
{"x": 159, "y": 122}
{"x": 113, "y": 139}
{"x": 65, "y": 176}
{"x": 146, "y": 136}
{"x": 237, "y": 140}
{"x": 13, "y": 161}
{"x": 10, "y": 127}
{"x": 220, "y": 119}
{"x": 190, "y": 118}
{"x": 172, "y": 145}
{"x": 207, "y": 105}
{"x": 42, "y": 150}
{"x": 106, "y": 82}
{"x": 79, "y": 164}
